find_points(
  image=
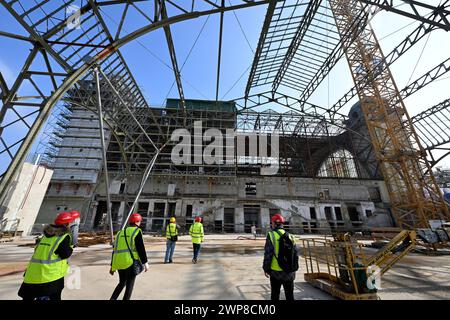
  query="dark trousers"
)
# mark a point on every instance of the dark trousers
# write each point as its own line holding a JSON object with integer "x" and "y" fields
{"x": 288, "y": 287}
{"x": 126, "y": 279}
{"x": 196, "y": 247}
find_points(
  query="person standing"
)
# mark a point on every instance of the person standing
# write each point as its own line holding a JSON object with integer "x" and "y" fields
{"x": 172, "y": 237}
{"x": 74, "y": 226}
{"x": 128, "y": 246}
{"x": 44, "y": 276}
{"x": 197, "y": 236}
{"x": 279, "y": 240}
{"x": 253, "y": 230}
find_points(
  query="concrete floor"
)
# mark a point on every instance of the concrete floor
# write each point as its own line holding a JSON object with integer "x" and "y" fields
{"x": 228, "y": 268}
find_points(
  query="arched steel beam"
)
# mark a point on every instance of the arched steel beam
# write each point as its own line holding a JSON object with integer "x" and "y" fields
{"x": 75, "y": 75}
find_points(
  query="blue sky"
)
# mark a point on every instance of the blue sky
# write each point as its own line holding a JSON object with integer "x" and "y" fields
{"x": 149, "y": 60}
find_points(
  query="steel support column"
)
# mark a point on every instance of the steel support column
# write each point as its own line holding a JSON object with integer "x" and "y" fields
{"x": 105, "y": 163}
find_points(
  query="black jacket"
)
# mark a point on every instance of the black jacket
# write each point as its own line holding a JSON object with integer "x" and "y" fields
{"x": 64, "y": 251}
{"x": 140, "y": 248}
{"x": 269, "y": 252}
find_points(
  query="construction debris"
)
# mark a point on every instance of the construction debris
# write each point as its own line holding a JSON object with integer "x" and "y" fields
{"x": 87, "y": 239}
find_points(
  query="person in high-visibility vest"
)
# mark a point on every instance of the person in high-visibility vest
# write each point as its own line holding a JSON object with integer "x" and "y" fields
{"x": 128, "y": 239}
{"x": 44, "y": 276}
{"x": 172, "y": 237}
{"x": 197, "y": 236}
{"x": 278, "y": 277}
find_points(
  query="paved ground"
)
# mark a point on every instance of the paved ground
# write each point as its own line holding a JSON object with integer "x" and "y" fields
{"x": 228, "y": 268}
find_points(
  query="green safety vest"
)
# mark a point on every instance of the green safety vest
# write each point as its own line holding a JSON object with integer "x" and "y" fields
{"x": 46, "y": 266}
{"x": 121, "y": 255}
{"x": 196, "y": 232}
{"x": 171, "y": 230}
{"x": 275, "y": 239}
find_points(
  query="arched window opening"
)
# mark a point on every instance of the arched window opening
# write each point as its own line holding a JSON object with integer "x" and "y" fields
{"x": 340, "y": 164}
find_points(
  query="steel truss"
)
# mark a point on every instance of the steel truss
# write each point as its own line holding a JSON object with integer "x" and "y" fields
{"x": 433, "y": 126}
{"x": 70, "y": 55}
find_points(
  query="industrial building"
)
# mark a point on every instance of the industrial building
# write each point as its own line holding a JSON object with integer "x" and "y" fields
{"x": 319, "y": 186}
{"x": 357, "y": 178}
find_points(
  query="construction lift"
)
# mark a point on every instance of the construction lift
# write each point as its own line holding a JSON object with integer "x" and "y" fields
{"x": 340, "y": 266}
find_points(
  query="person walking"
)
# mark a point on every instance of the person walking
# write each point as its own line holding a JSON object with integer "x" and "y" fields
{"x": 253, "y": 230}
{"x": 44, "y": 276}
{"x": 197, "y": 236}
{"x": 74, "y": 226}
{"x": 128, "y": 248}
{"x": 172, "y": 237}
{"x": 280, "y": 259}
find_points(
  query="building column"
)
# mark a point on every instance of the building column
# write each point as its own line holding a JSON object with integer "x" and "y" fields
{"x": 120, "y": 214}
{"x": 265, "y": 219}
{"x": 90, "y": 222}
{"x": 345, "y": 216}
{"x": 151, "y": 209}
{"x": 239, "y": 219}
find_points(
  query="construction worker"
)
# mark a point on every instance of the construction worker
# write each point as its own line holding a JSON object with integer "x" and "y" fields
{"x": 197, "y": 236}
{"x": 271, "y": 267}
{"x": 44, "y": 276}
{"x": 74, "y": 226}
{"x": 128, "y": 247}
{"x": 172, "y": 237}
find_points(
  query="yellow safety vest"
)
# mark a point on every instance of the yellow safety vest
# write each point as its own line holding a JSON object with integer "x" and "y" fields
{"x": 196, "y": 232}
{"x": 171, "y": 230}
{"x": 121, "y": 255}
{"x": 46, "y": 266}
{"x": 275, "y": 239}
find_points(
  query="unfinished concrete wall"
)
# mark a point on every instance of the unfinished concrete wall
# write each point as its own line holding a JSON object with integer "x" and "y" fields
{"x": 25, "y": 199}
{"x": 295, "y": 198}
{"x": 52, "y": 206}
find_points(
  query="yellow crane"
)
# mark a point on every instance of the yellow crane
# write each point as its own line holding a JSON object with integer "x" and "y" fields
{"x": 414, "y": 194}
{"x": 340, "y": 266}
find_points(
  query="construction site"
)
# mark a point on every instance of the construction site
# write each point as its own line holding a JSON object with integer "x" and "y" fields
{"x": 333, "y": 114}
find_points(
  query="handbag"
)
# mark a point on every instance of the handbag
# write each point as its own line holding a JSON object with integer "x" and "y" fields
{"x": 137, "y": 266}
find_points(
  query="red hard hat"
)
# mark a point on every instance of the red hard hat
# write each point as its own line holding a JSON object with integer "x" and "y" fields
{"x": 135, "y": 217}
{"x": 64, "y": 218}
{"x": 198, "y": 219}
{"x": 75, "y": 214}
{"x": 277, "y": 218}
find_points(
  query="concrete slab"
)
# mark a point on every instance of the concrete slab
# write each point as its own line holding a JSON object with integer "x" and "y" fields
{"x": 228, "y": 269}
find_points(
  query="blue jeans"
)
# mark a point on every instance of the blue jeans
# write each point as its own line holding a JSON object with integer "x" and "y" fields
{"x": 196, "y": 249}
{"x": 170, "y": 248}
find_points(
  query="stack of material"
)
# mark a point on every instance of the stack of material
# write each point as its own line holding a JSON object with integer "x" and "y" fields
{"x": 384, "y": 233}
{"x": 7, "y": 236}
{"x": 86, "y": 239}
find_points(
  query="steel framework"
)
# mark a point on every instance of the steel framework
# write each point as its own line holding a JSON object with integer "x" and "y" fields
{"x": 299, "y": 44}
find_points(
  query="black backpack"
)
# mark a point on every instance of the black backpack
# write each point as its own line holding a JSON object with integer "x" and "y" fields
{"x": 287, "y": 256}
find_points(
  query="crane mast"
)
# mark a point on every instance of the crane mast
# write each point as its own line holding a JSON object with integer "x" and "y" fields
{"x": 414, "y": 194}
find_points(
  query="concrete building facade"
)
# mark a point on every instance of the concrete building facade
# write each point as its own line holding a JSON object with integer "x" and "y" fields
{"x": 323, "y": 184}
{"x": 227, "y": 204}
